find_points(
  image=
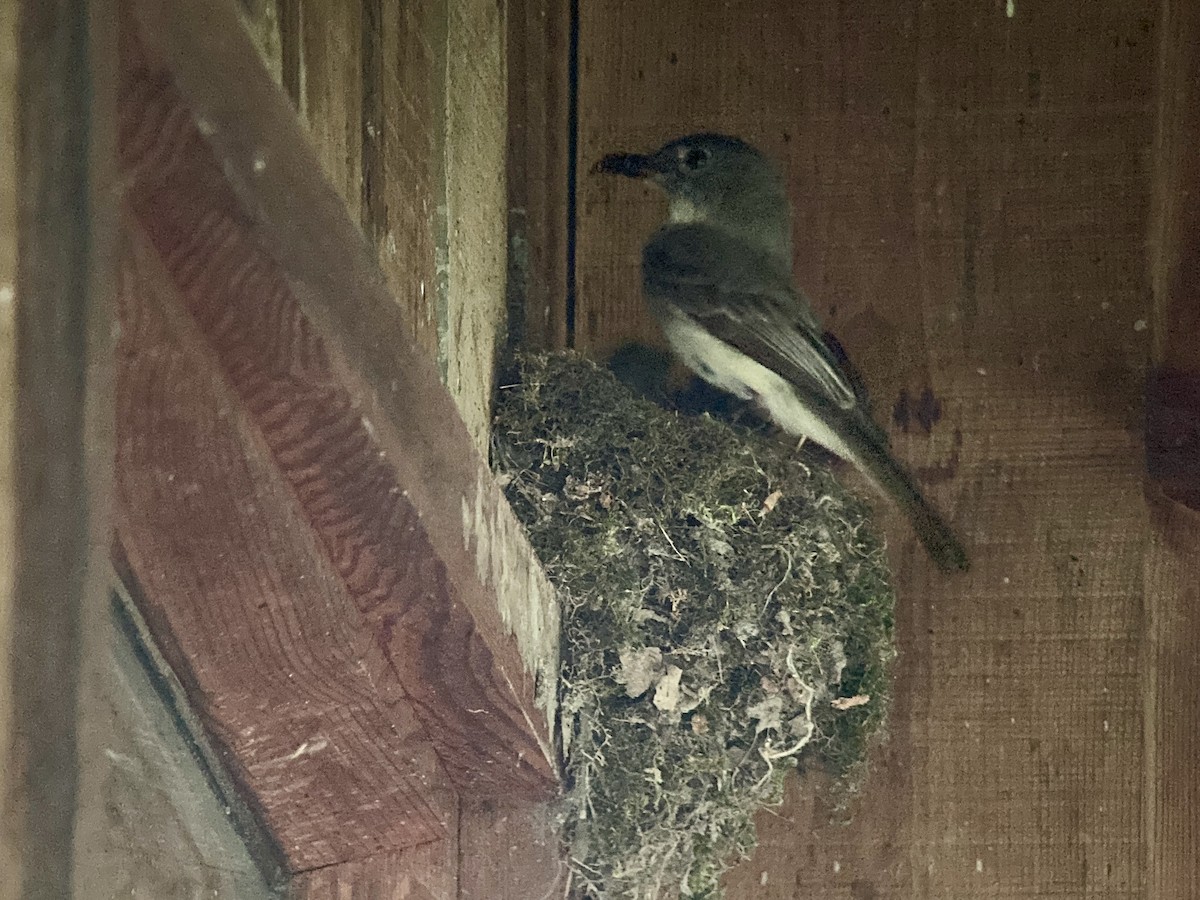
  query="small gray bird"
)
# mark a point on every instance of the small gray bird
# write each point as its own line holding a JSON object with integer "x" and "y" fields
{"x": 718, "y": 277}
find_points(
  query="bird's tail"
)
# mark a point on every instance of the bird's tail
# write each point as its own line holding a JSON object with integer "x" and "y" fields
{"x": 878, "y": 464}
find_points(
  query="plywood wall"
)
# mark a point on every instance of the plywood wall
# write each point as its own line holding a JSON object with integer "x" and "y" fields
{"x": 405, "y": 104}
{"x": 10, "y": 845}
{"x": 972, "y": 185}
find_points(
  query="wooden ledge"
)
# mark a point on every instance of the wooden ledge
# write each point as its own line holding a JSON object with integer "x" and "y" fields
{"x": 321, "y": 553}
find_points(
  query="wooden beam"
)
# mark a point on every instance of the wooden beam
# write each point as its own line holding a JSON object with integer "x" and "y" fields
{"x": 11, "y": 844}
{"x": 1173, "y": 391}
{"x": 323, "y": 556}
{"x": 428, "y": 872}
{"x": 46, "y": 322}
{"x": 510, "y": 851}
{"x": 500, "y": 851}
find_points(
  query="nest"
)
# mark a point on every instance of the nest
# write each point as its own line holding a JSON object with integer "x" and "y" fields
{"x": 726, "y": 616}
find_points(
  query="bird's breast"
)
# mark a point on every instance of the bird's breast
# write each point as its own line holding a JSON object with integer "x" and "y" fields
{"x": 731, "y": 370}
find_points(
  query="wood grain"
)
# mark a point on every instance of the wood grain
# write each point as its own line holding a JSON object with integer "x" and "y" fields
{"x": 538, "y": 85}
{"x": 47, "y": 313}
{"x": 348, "y": 544}
{"x": 501, "y": 851}
{"x": 331, "y": 102}
{"x": 290, "y": 675}
{"x": 510, "y": 851}
{"x": 368, "y": 80}
{"x": 971, "y": 196}
{"x": 11, "y": 848}
{"x": 427, "y": 872}
{"x": 1172, "y": 671}
{"x": 1172, "y": 629}
{"x": 1173, "y": 393}
{"x": 423, "y": 84}
{"x": 1174, "y": 234}
{"x": 476, "y": 221}
{"x": 366, "y": 345}
{"x": 407, "y": 161}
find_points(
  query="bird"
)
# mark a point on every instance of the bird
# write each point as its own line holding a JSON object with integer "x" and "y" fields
{"x": 717, "y": 275}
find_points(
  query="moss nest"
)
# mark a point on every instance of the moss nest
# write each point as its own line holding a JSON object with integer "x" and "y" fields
{"x": 727, "y": 616}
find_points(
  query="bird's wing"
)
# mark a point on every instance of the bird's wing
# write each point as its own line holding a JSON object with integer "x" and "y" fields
{"x": 740, "y": 297}
{"x": 743, "y": 298}
{"x": 834, "y": 346}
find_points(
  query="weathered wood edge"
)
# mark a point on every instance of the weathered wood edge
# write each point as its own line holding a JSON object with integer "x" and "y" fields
{"x": 53, "y": 318}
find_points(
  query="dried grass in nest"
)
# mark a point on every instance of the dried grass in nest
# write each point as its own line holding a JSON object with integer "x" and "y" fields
{"x": 726, "y": 616}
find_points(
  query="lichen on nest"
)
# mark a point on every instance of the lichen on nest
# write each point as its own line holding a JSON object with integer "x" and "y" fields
{"x": 726, "y": 616}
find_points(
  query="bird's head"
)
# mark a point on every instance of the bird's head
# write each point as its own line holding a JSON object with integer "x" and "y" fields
{"x": 715, "y": 179}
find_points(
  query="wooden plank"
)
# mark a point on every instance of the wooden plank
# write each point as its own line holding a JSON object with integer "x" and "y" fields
{"x": 292, "y": 676}
{"x": 970, "y": 203}
{"x": 140, "y": 821}
{"x": 500, "y": 851}
{"x": 510, "y": 851}
{"x": 11, "y": 839}
{"x": 369, "y": 81}
{"x": 1173, "y": 395}
{"x": 1174, "y": 239}
{"x": 427, "y": 872}
{"x": 351, "y": 538}
{"x": 424, "y": 175}
{"x": 154, "y": 815}
{"x": 1172, "y": 671}
{"x": 331, "y": 104}
{"x": 46, "y": 322}
{"x": 1171, "y": 785}
{"x": 538, "y": 128}
{"x": 476, "y": 225}
{"x": 408, "y": 162}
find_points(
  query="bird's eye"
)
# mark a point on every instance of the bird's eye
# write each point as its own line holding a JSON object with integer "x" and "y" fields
{"x": 694, "y": 159}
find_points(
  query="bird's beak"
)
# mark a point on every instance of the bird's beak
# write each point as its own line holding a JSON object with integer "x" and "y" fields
{"x": 631, "y": 165}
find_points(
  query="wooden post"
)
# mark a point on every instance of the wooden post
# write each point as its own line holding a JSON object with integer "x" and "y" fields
{"x": 54, "y": 346}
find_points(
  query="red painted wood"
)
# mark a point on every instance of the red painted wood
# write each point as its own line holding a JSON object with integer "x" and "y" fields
{"x": 300, "y": 551}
